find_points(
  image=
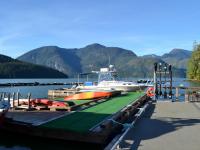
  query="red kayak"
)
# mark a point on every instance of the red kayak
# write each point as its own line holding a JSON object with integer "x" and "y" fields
{"x": 89, "y": 95}
{"x": 49, "y": 103}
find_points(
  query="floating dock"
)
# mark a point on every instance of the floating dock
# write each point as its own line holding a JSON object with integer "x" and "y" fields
{"x": 37, "y": 84}
{"x": 97, "y": 124}
{"x": 166, "y": 125}
{"x": 62, "y": 92}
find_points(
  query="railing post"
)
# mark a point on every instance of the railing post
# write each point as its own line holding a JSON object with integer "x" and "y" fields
{"x": 13, "y": 95}
{"x": 17, "y": 98}
{"x": 8, "y": 98}
{"x": 186, "y": 96}
{"x": 177, "y": 93}
{"x": 155, "y": 82}
{"x": 3, "y": 96}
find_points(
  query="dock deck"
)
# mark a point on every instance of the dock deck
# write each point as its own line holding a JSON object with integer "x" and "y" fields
{"x": 166, "y": 125}
{"x": 84, "y": 120}
{"x": 34, "y": 118}
{"x": 93, "y": 124}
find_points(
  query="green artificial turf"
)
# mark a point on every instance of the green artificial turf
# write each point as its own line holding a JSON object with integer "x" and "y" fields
{"x": 83, "y": 120}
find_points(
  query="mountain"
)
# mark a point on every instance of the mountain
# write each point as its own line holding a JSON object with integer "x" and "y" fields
{"x": 54, "y": 57}
{"x": 151, "y": 56}
{"x": 73, "y": 61}
{"x": 12, "y": 68}
{"x": 177, "y": 57}
{"x": 93, "y": 57}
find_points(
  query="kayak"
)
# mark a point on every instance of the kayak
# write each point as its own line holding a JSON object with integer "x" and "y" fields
{"x": 43, "y": 102}
{"x": 89, "y": 95}
{"x": 49, "y": 103}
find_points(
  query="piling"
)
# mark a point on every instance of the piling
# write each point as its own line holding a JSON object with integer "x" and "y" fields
{"x": 186, "y": 97}
{"x": 17, "y": 98}
{"x": 8, "y": 98}
{"x": 29, "y": 101}
{"x": 3, "y": 96}
{"x": 13, "y": 96}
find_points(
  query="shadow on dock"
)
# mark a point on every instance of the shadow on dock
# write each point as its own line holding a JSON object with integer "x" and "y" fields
{"x": 150, "y": 127}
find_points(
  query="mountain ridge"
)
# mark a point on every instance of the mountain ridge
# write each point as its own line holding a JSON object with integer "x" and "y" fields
{"x": 13, "y": 68}
{"x": 94, "y": 56}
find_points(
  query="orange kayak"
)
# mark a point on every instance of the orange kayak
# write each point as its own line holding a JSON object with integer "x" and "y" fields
{"x": 44, "y": 102}
{"x": 88, "y": 95}
{"x": 49, "y": 103}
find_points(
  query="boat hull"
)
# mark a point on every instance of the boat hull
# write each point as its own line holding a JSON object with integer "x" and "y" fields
{"x": 88, "y": 95}
{"x": 113, "y": 87}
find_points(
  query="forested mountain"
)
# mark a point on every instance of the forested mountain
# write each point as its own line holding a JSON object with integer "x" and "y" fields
{"x": 178, "y": 58}
{"x": 93, "y": 57}
{"x": 12, "y": 68}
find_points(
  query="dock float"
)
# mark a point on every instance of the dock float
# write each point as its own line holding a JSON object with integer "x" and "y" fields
{"x": 166, "y": 125}
{"x": 96, "y": 124}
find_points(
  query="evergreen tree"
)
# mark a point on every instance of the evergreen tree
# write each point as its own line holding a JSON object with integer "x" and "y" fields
{"x": 193, "y": 71}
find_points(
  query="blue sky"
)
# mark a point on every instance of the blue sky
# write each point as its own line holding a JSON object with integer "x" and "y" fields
{"x": 144, "y": 26}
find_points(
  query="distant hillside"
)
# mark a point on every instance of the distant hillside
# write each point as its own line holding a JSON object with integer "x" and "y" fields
{"x": 73, "y": 61}
{"x": 63, "y": 60}
{"x": 151, "y": 56}
{"x": 11, "y": 68}
{"x": 93, "y": 57}
{"x": 177, "y": 57}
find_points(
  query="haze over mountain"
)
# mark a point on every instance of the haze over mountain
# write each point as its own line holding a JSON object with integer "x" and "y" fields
{"x": 177, "y": 57}
{"x": 12, "y": 68}
{"x": 95, "y": 56}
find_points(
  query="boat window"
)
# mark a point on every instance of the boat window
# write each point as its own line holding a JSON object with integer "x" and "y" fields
{"x": 106, "y": 76}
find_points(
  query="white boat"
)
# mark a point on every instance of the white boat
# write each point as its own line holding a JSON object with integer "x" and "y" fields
{"x": 107, "y": 81}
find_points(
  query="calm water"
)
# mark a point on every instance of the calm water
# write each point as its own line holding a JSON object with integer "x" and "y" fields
{"x": 11, "y": 142}
{"x": 41, "y": 91}
{"x": 36, "y": 91}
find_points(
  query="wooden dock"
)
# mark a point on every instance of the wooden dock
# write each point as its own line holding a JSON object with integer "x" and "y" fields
{"x": 91, "y": 125}
{"x": 166, "y": 125}
{"x": 34, "y": 118}
{"x": 62, "y": 92}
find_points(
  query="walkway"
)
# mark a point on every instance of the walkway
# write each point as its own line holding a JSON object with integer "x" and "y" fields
{"x": 166, "y": 126}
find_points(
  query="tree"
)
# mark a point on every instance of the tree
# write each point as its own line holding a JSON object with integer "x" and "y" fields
{"x": 193, "y": 71}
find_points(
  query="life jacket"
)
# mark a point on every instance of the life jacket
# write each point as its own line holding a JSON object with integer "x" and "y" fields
{"x": 150, "y": 92}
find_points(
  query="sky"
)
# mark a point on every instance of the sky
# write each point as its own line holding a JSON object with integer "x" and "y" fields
{"x": 143, "y": 26}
